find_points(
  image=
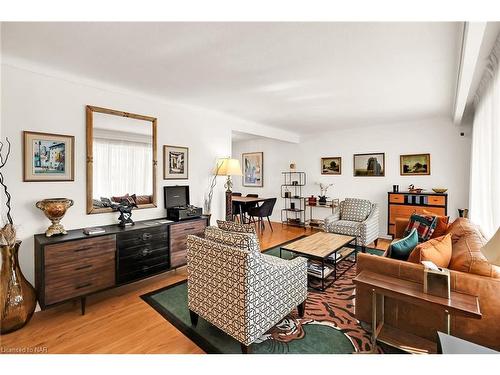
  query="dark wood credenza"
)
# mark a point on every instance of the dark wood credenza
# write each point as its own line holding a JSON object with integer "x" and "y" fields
{"x": 76, "y": 265}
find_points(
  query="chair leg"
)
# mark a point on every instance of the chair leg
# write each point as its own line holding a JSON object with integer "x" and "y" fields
{"x": 194, "y": 317}
{"x": 270, "y": 225}
{"x": 363, "y": 249}
{"x": 245, "y": 349}
{"x": 302, "y": 309}
{"x": 376, "y": 242}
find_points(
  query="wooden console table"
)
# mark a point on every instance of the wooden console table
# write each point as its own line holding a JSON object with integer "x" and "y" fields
{"x": 411, "y": 292}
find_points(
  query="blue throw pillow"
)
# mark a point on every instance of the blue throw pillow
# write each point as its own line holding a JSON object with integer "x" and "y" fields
{"x": 402, "y": 248}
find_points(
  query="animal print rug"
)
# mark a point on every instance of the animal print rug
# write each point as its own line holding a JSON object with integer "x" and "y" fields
{"x": 329, "y": 324}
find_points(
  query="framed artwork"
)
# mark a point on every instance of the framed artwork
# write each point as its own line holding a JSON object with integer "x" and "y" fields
{"x": 253, "y": 169}
{"x": 415, "y": 165}
{"x": 369, "y": 165}
{"x": 175, "y": 162}
{"x": 331, "y": 165}
{"x": 48, "y": 157}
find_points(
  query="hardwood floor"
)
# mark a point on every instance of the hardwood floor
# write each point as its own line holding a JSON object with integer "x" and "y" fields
{"x": 118, "y": 321}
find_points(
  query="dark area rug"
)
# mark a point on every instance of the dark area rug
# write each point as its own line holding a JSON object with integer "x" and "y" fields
{"x": 328, "y": 327}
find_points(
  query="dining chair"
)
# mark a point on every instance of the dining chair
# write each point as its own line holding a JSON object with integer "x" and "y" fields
{"x": 235, "y": 206}
{"x": 263, "y": 211}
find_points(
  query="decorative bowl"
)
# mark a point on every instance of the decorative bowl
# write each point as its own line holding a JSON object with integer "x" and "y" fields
{"x": 439, "y": 190}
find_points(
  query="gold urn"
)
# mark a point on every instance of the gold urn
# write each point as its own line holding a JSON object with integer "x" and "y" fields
{"x": 55, "y": 209}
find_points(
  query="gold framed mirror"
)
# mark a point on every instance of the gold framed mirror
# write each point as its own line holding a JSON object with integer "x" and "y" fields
{"x": 121, "y": 159}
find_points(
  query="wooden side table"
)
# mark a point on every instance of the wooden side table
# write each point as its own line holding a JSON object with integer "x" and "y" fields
{"x": 411, "y": 292}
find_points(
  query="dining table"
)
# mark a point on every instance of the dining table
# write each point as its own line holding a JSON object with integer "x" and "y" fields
{"x": 240, "y": 201}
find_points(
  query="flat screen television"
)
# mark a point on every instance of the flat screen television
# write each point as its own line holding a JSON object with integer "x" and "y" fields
{"x": 175, "y": 196}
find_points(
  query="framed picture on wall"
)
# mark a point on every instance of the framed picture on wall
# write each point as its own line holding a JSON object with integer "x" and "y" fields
{"x": 369, "y": 165}
{"x": 175, "y": 162}
{"x": 253, "y": 169}
{"x": 48, "y": 157}
{"x": 415, "y": 164}
{"x": 331, "y": 165}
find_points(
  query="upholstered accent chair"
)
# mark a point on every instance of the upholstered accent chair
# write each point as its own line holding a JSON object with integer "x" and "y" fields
{"x": 239, "y": 290}
{"x": 355, "y": 217}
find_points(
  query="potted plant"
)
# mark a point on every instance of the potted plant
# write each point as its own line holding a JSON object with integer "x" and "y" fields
{"x": 17, "y": 295}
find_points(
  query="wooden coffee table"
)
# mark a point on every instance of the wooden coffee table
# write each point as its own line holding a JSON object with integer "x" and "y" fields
{"x": 326, "y": 250}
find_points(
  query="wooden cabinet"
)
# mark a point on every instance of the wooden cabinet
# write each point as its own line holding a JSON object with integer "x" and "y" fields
{"x": 178, "y": 238}
{"x": 403, "y": 205}
{"x": 75, "y": 265}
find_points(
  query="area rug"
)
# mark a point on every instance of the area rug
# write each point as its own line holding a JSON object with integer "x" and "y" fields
{"x": 328, "y": 327}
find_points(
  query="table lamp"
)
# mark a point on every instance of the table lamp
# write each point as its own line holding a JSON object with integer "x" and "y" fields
{"x": 228, "y": 167}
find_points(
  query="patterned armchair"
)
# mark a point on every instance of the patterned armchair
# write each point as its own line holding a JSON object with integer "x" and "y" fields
{"x": 355, "y": 217}
{"x": 240, "y": 290}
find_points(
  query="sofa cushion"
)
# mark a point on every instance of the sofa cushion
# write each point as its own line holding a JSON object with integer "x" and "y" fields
{"x": 348, "y": 228}
{"x": 243, "y": 241}
{"x": 354, "y": 209}
{"x": 492, "y": 249}
{"x": 467, "y": 257}
{"x": 424, "y": 225}
{"x": 460, "y": 227}
{"x": 401, "y": 249}
{"x": 231, "y": 226}
{"x": 437, "y": 250}
{"x": 442, "y": 224}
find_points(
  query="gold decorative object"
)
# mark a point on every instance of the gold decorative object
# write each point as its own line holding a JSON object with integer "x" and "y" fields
{"x": 55, "y": 209}
{"x": 17, "y": 295}
{"x": 439, "y": 190}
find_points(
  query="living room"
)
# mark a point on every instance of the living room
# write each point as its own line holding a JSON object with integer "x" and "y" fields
{"x": 250, "y": 187}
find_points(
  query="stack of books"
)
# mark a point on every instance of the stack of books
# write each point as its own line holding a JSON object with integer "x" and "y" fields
{"x": 315, "y": 269}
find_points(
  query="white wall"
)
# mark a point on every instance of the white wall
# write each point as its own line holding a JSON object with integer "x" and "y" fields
{"x": 46, "y": 103}
{"x": 450, "y": 158}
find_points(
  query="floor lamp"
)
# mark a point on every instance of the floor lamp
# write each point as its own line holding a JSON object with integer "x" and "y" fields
{"x": 229, "y": 167}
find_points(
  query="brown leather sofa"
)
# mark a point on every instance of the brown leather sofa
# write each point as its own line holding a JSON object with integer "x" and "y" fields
{"x": 470, "y": 273}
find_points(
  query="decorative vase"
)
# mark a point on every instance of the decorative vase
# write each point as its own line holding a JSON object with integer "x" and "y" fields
{"x": 55, "y": 209}
{"x": 17, "y": 295}
{"x": 322, "y": 200}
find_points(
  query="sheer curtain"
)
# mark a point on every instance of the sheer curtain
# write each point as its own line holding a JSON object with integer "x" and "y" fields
{"x": 122, "y": 167}
{"x": 485, "y": 163}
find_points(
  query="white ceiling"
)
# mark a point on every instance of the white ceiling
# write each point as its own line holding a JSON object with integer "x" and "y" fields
{"x": 302, "y": 77}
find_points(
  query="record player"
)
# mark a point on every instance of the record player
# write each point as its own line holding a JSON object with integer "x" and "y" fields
{"x": 177, "y": 203}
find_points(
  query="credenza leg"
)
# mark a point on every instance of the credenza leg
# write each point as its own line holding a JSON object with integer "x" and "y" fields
{"x": 83, "y": 300}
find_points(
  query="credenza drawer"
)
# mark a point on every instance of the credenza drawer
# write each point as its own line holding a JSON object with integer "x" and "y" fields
{"x": 405, "y": 212}
{"x": 437, "y": 200}
{"x": 143, "y": 236}
{"x": 178, "y": 240}
{"x": 61, "y": 287}
{"x": 74, "y": 252}
{"x": 396, "y": 198}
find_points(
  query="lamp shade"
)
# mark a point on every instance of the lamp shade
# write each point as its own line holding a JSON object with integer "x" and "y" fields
{"x": 228, "y": 167}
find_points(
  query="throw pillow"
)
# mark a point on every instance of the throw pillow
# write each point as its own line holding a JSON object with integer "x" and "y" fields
{"x": 119, "y": 198}
{"x": 492, "y": 249}
{"x": 401, "y": 249}
{"x": 461, "y": 227}
{"x": 424, "y": 225}
{"x": 441, "y": 224}
{"x": 231, "y": 226}
{"x": 243, "y": 241}
{"x": 354, "y": 209}
{"x": 437, "y": 250}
